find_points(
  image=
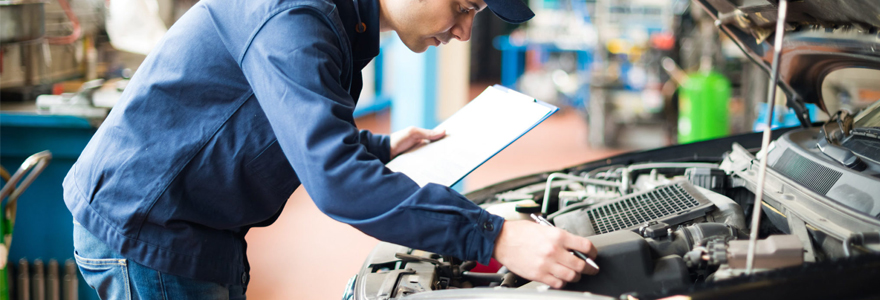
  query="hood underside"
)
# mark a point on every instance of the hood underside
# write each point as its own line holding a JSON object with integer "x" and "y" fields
{"x": 821, "y": 36}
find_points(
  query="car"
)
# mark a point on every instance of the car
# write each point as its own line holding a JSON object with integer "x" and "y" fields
{"x": 677, "y": 221}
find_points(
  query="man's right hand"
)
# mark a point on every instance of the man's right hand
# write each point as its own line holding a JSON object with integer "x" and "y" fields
{"x": 543, "y": 253}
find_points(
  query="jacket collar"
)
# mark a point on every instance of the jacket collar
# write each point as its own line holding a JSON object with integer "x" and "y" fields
{"x": 365, "y": 45}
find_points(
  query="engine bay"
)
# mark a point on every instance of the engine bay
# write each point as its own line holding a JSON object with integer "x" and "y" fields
{"x": 665, "y": 227}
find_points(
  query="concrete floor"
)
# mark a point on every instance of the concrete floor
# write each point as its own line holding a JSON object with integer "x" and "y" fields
{"x": 307, "y": 255}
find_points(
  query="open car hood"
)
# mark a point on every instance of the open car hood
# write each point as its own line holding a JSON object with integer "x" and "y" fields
{"x": 821, "y": 37}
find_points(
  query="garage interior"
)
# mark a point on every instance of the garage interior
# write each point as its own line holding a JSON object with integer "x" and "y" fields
{"x": 626, "y": 75}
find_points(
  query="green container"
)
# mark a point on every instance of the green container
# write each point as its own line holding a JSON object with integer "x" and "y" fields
{"x": 703, "y": 107}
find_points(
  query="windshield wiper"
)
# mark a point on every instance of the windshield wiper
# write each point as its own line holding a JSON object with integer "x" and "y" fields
{"x": 832, "y": 134}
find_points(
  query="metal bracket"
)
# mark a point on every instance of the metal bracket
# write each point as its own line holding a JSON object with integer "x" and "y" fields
{"x": 387, "y": 289}
{"x": 799, "y": 228}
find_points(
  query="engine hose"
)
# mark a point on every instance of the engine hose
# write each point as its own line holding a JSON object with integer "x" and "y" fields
{"x": 489, "y": 277}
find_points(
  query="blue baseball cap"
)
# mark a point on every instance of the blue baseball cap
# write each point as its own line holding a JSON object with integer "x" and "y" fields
{"x": 511, "y": 11}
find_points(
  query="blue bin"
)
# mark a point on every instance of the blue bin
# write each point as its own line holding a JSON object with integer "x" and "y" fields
{"x": 783, "y": 117}
{"x": 44, "y": 226}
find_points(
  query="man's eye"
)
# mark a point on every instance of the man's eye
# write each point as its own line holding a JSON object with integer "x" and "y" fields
{"x": 463, "y": 9}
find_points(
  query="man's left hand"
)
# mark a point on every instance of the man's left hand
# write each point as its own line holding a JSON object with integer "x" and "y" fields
{"x": 410, "y": 137}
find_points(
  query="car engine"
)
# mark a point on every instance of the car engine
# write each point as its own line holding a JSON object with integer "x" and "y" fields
{"x": 667, "y": 226}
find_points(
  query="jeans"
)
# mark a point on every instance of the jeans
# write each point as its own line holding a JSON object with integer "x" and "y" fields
{"x": 115, "y": 277}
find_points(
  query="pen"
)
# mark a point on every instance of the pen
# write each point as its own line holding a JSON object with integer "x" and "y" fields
{"x": 544, "y": 222}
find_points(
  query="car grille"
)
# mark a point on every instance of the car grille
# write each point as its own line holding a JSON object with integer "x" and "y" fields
{"x": 814, "y": 176}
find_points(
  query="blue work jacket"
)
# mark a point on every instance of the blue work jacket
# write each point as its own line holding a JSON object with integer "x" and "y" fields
{"x": 239, "y": 104}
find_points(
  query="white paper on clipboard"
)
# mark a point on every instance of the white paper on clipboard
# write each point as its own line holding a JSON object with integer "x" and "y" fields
{"x": 474, "y": 134}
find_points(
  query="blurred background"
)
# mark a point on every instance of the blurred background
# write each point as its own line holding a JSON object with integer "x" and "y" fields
{"x": 627, "y": 75}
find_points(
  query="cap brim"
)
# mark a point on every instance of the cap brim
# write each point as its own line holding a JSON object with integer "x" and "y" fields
{"x": 511, "y": 11}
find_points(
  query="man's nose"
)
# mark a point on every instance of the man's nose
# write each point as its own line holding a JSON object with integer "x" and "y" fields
{"x": 462, "y": 31}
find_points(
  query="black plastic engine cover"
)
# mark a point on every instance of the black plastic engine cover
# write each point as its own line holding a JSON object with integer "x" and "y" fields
{"x": 626, "y": 264}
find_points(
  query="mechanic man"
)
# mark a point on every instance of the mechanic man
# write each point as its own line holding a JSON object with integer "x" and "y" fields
{"x": 239, "y": 104}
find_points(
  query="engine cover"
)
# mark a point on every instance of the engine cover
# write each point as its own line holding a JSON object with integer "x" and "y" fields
{"x": 627, "y": 264}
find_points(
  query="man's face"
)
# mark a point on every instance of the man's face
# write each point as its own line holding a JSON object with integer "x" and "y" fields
{"x": 422, "y": 23}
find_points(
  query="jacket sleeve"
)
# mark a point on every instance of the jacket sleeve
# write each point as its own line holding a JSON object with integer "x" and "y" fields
{"x": 296, "y": 68}
{"x": 377, "y": 144}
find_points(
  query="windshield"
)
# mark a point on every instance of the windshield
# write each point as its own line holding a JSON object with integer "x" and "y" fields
{"x": 854, "y": 89}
